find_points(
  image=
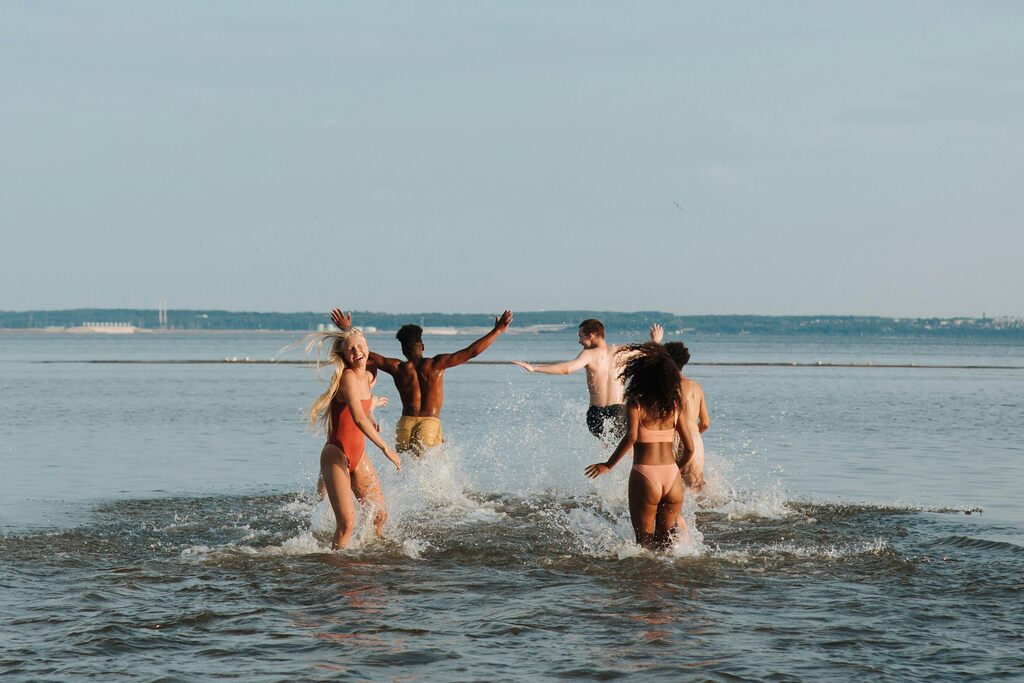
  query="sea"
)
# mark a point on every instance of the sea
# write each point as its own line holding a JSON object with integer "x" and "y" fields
{"x": 863, "y": 520}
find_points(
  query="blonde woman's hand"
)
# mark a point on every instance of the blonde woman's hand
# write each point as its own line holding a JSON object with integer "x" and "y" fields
{"x": 341, "y": 320}
{"x": 523, "y": 365}
{"x": 379, "y": 402}
{"x": 390, "y": 454}
{"x": 596, "y": 470}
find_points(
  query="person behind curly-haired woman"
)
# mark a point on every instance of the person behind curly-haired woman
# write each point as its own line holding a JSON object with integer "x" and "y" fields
{"x": 696, "y": 419}
{"x": 654, "y": 416}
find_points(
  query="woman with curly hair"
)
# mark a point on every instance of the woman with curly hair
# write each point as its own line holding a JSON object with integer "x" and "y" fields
{"x": 343, "y": 411}
{"x": 654, "y": 416}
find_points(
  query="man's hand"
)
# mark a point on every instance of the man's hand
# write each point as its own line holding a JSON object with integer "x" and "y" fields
{"x": 657, "y": 333}
{"x": 502, "y": 322}
{"x": 341, "y": 320}
{"x": 524, "y": 365}
{"x": 377, "y": 402}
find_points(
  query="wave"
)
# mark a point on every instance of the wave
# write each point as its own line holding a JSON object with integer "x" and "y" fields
{"x": 470, "y": 502}
{"x": 984, "y": 544}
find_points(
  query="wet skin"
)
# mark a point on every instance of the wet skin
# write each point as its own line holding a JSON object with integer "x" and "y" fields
{"x": 340, "y": 482}
{"x": 420, "y": 379}
{"x": 602, "y": 362}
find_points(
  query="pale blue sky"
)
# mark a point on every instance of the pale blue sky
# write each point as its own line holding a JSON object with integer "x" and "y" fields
{"x": 863, "y": 158}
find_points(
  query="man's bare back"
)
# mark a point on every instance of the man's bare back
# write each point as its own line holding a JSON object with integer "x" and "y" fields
{"x": 603, "y": 367}
{"x": 419, "y": 379}
{"x": 603, "y": 363}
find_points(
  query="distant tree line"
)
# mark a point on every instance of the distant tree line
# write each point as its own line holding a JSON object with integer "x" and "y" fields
{"x": 615, "y": 322}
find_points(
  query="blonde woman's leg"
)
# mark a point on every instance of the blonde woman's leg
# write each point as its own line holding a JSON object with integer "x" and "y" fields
{"x": 366, "y": 486}
{"x": 334, "y": 470}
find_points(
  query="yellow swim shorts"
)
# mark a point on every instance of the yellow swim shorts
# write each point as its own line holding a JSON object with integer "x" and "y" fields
{"x": 418, "y": 433}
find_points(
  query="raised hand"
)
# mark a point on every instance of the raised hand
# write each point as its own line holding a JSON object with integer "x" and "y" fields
{"x": 524, "y": 365}
{"x": 378, "y": 402}
{"x": 596, "y": 470}
{"x": 502, "y": 321}
{"x": 341, "y": 320}
{"x": 657, "y": 333}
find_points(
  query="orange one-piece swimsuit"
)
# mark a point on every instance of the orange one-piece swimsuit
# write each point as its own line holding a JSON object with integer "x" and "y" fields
{"x": 347, "y": 435}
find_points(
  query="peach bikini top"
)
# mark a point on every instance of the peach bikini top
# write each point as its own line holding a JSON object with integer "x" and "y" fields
{"x": 645, "y": 435}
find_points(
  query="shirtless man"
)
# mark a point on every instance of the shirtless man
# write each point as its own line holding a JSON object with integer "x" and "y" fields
{"x": 420, "y": 380}
{"x": 695, "y": 417}
{"x": 606, "y": 416}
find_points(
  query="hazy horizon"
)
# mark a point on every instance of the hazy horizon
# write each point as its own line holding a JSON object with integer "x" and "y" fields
{"x": 683, "y": 314}
{"x": 736, "y": 159}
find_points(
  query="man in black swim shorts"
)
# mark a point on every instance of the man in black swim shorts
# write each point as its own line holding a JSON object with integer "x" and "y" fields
{"x": 607, "y": 422}
{"x": 606, "y": 417}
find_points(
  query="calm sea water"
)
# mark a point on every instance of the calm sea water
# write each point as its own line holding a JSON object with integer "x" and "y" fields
{"x": 157, "y": 521}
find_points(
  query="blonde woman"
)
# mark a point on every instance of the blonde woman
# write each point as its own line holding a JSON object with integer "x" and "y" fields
{"x": 343, "y": 411}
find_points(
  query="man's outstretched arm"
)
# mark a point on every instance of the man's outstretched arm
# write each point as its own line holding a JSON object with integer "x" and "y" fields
{"x": 569, "y": 366}
{"x": 343, "y": 321}
{"x": 443, "y": 361}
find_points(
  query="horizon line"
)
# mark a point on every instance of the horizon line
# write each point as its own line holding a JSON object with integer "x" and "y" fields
{"x": 983, "y": 316}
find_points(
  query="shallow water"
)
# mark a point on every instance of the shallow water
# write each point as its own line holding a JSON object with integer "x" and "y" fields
{"x": 158, "y": 521}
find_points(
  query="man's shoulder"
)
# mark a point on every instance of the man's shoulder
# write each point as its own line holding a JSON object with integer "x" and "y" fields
{"x": 429, "y": 365}
{"x": 613, "y": 352}
{"x": 690, "y": 384}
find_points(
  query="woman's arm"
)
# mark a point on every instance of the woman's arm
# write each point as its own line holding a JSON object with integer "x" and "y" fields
{"x": 350, "y": 390}
{"x": 628, "y": 439}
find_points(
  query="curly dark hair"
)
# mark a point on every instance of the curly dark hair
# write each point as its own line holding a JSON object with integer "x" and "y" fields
{"x": 680, "y": 354}
{"x": 409, "y": 335}
{"x": 652, "y": 379}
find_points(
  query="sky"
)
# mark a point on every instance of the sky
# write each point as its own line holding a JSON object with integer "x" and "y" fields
{"x": 782, "y": 158}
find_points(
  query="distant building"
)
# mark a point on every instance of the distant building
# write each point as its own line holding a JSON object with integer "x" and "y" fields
{"x": 104, "y": 328}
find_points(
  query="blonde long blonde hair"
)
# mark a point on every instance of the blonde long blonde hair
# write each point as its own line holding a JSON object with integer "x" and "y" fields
{"x": 320, "y": 412}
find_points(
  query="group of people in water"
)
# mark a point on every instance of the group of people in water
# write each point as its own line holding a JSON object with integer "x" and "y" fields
{"x": 638, "y": 395}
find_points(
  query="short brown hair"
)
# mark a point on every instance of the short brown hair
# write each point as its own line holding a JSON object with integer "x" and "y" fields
{"x": 592, "y": 326}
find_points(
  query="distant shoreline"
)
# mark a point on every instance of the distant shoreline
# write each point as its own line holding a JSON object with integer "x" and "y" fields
{"x": 728, "y": 364}
{"x": 617, "y": 323}
{"x": 1012, "y": 336}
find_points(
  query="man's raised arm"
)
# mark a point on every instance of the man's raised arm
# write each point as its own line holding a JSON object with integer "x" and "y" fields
{"x": 444, "y": 361}
{"x": 343, "y": 321}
